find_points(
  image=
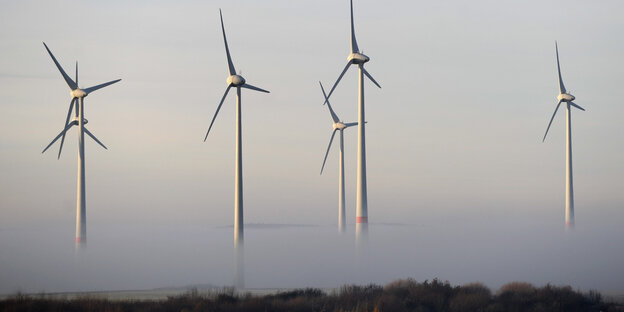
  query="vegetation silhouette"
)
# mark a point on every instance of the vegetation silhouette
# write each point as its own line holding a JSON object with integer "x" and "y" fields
{"x": 400, "y": 295}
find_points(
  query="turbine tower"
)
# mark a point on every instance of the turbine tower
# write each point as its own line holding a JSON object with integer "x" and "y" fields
{"x": 358, "y": 58}
{"x": 338, "y": 126}
{"x": 238, "y": 82}
{"x": 77, "y": 100}
{"x": 567, "y": 98}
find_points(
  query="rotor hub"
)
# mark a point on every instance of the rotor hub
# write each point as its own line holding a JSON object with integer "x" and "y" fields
{"x": 566, "y": 97}
{"x": 78, "y": 93}
{"x": 358, "y": 58}
{"x": 339, "y": 126}
{"x": 236, "y": 80}
{"x": 76, "y": 119}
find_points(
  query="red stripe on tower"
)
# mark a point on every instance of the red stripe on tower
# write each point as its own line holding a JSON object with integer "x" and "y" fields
{"x": 361, "y": 220}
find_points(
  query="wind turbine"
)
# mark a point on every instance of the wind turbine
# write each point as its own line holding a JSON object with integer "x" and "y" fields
{"x": 566, "y": 97}
{"x": 357, "y": 58}
{"x": 338, "y": 126}
{"x": 77, "y": 100}
{"x": 238, "y": 82}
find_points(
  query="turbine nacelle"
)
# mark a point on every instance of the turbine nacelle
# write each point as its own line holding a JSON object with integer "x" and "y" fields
{"x": 236, "y": 80}
{"x": 78, "y": 93}
{"x": 358, "y": 58}
{"x": 77, "y": 119}
{"x": 566, "y": 97}
{"x": 339, "y": 126}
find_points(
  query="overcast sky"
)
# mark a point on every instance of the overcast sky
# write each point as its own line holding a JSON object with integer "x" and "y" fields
{"x": 454, "y": 145}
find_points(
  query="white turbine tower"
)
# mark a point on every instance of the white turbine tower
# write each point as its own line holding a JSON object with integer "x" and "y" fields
{"x": 357, "y": 58}
{"x": 78, "y": 96}
{"x": 567, "y": 98}
{"x": 238, "y": 82}
{"x": 338, "y": 126}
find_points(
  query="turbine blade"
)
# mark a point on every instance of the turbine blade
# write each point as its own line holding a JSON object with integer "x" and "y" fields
{"x": 328, "y": 147}
{"x": 562, "y": 89}
{"x": 71, "y": 106}
{"x": 227, "y": 50}
{"x": 350, "y": 124}
{"x": 76, "y": 74}
{"x": 575, "y": 105}
{"x": 93, "y": 137}
{"x": 331, "y": 111}
{"x": 354, "y": 46}
{"x": 337, "y": 81}
{"x": 217, "y": 112}
{"x": 250, "y": 87}
{"x": 72, "y": 85}
{"x": 100, "y": 86}
{"x": 58, "y": 136}
{"x": 551, "y": 120}
{"x": 370, "y": 77}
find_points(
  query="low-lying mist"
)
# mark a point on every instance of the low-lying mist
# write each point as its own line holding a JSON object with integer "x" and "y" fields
{"x": 124, "y": 257}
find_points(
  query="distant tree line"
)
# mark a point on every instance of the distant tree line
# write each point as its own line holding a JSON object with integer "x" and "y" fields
{"x": 400, "y": 295}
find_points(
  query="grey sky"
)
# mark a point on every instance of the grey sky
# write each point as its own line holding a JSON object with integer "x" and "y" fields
{"x": 453, "y": 140}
